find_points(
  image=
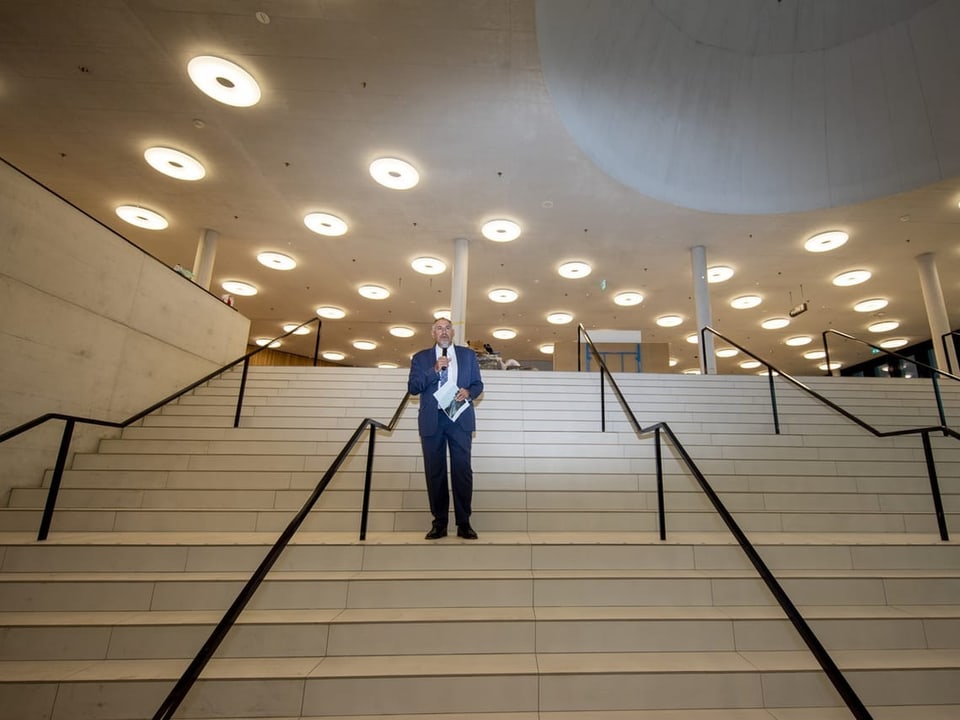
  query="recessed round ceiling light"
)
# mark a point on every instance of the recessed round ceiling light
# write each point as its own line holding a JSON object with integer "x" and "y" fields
{"x": 500, "y": 230}
{"x": 574, "y": 269}
{"x": 442, "y": 313}
{"x": 798, "y": 340}
{"x": 364, "y": 344}
{"x": 726, "y": 352}
{"x": 297, "y": 328}
{"x": 401, "y": 331}
{"x": 693, "y": 339}
{"x": 268, "y": 342}
{"x": 719, "y": 273}
{"x": 691, "y": 371}
{"x": 504, "y": 334}
{"x": 330, "y": 312}
{"x": 373, "y": 292}
{"x": 559, "y": 318}
{"x": 277, "y": 261}
{"x": 851, "y": 277}
{"x": 503, "y": 295}
{"x": 628, "y": 298}
{"x": 775, "y": 323}
{"x": 174, "y": 163}
{"x": 768, "y": 372}
{"x": 871, "y": 305}
{"x": 831, "y": 366}
{"x": 238, "y": 288}
{"x": 546, "y": 348}
{"x": 824, "y": 241}
{"x": 325, "y": 224}
{"x": 394, "y": 173}
{"x": 672, "y": 362}
{"x": 815, "y": 354}
{"x": 749, "y": 364}
{"x": 428, "y": 265}
{"x": 224, "y": 81}
{"x": 745, "y": 301}
{"x": 894, "y": 343}
{"x": 883, "y": 326}
{"x": 334, "y": 355}
{"x": 387, "y": 365}
{"x": 669, "y": 320}
{"x": 142, "y": 218}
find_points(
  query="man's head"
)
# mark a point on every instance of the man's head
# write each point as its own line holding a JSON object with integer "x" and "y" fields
{"x": 442, "y": 332}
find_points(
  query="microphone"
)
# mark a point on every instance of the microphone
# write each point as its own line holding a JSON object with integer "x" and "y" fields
{"x": 444, "y": 351}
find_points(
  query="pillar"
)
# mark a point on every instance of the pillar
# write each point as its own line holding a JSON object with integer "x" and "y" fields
{"x": 936, "y": 310}
{"x": 701, "y": 297}
{"x": 206, "y": 254}
{"x": 458, "y": 291}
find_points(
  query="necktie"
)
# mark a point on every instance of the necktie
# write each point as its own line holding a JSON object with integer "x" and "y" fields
{"x": 443, "y": 376}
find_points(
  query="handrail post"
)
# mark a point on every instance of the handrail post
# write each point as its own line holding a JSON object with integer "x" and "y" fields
{"x": 579, "y": 347}
{"x": 934, "y": 486}
{"x": 316, "y": 345}
{"x": 660, "y": 501}
{"x": 367, "y": 482}
{"x": 54, "y": 490}
{"x": 936, "y": 392}
{"x": 603, "y": 404}
{"x": 243, "y": 387}
{"x": 826, "y": 353}
{"x": 773, "y": 401}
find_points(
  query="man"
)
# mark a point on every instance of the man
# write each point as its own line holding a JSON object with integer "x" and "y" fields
{"x": 429, "y": 370}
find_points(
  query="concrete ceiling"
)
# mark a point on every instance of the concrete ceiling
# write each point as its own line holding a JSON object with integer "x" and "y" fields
{"x": 459, "y": 89}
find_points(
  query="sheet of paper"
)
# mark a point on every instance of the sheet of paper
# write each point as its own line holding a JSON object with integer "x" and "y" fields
{"x": 445, "y": 400}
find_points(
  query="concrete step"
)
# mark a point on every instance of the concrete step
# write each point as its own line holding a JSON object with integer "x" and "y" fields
{"x": 469, "y": 683}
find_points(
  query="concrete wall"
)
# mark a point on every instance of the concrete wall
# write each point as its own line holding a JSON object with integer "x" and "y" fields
{"x": 90, "y": 325}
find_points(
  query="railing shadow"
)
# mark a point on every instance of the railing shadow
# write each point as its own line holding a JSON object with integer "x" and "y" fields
{"x": 72, "y": 420}
{"x": 833, "y": 673}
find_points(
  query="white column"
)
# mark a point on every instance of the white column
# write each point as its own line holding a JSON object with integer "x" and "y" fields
{"x": 206, "y": 254}
{"x": 936, "y": 309}
{"x": 458, "y": 291}
{"x": 701, "y": 297}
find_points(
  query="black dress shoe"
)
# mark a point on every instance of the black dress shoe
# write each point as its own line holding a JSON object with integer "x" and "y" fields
{"x": 466, "y": 532}
{"x": 436, "y": 532}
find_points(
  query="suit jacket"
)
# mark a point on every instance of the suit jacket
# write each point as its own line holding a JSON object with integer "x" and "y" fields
{"x": 423, "y": 381}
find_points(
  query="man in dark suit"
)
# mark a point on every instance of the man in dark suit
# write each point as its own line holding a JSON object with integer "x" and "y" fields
{"x": 429, "y": 370}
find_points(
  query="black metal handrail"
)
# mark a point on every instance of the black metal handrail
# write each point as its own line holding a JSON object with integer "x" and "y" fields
{"x": 72, "y": 420}
{"x": 934, "y": 372}
{"x": 176, "y": 696}
{"x": 946, "y": 349}
{"x": 924, "y": 432}
{"x": 836, "y": 677}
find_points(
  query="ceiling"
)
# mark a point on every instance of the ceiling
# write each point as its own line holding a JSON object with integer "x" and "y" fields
{"x": 458, "y": 88}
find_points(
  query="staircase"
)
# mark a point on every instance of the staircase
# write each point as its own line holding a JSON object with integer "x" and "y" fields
{"x": 568, "y": 606}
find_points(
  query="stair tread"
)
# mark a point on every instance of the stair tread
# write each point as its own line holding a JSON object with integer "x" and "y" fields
{"x": 370, "y": 666}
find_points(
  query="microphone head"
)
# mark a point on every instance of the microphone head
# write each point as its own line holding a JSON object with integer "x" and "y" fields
{"x": 444, "y": 351}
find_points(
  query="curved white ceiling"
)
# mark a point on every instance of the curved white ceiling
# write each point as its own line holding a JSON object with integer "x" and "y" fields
{"x": 758, "y": 106}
